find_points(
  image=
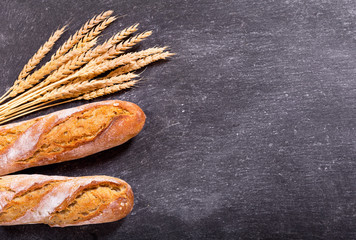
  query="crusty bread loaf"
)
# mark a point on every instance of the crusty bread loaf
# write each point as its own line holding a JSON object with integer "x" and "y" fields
{"x": 63, "y": 201}
{"x": 68, "y": 134}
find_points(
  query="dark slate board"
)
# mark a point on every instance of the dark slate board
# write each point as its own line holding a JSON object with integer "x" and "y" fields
{"x": 250, "y": 128}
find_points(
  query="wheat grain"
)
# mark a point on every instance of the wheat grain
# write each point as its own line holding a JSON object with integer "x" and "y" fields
{"x": 103, "y": 48}
{"x": 91, "y": 71}
{"x": 113, "y": 51}
{"x": 79, "y": 88}
{"x": 95, "y": 32}
{"x": 77, "y": 36}
{"x": 122, "y": 47}
{"x": 121, "y": 35}
{"x": 107, "y": 90}
{"x": 140, "y": 63}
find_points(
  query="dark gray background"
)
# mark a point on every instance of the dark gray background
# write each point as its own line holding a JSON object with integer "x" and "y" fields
{"x": 250, "y": 128}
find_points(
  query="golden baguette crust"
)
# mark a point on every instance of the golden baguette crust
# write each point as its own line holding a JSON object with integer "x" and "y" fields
{"x": 70, "y": 201}
{"x": 68, "y": 134}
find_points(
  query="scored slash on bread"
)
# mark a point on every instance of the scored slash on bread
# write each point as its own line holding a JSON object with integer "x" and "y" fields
{"x": 68, "y": 134}
{"x": 63, "y": 201}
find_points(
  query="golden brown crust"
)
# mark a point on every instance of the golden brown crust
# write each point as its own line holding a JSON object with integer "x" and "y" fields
{"x": 90, "y": 128}
{"x": 63, "y": 201}
{"x": 9, "y": 135}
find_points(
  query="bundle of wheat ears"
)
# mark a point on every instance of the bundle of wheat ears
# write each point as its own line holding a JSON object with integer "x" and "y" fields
{"x": 79, "y": 69}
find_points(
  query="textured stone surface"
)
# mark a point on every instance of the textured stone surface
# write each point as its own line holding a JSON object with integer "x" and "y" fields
{"x": 250, "y": 129}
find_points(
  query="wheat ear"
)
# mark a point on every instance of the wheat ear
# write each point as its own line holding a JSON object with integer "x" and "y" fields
{"x": 38, "y": 75}
{"x": 101, "y": 49}
{"x": 78, "y": 88}
{"x": 95, "y": 32}
{"x": 91, "y": 70}
{"x": 140, "y": 63}
{"x": 123, "y": 46}
{"x": 74, "y": 39}
{"x": 45, "y": 70}
{"x": 120, "y": 48}
{"x": 107, "y": 90}
{"x": 41, "y": 53}
{"x": 120, "y": 36}
{"x": 70, "y": 67}
{"x": 35, "y": 60}
{"x": 85, "y": 73}
{"x": 74, "y": 71}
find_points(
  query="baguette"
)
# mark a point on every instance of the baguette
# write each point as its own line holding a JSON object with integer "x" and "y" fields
{"x": 63, "y": 201}
{"x": 68, "y": 134}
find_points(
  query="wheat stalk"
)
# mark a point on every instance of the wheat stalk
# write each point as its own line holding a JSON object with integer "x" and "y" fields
{"x": 31, "y": 110}
{"x": 88, "y": 96}
{"x": 73, "y": 90}
{"x": 75, "y": 70}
